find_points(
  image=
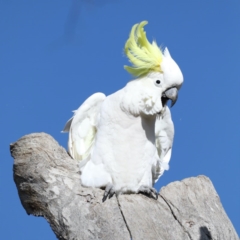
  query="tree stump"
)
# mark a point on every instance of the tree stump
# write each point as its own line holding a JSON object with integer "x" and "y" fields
{"x": 48, "y": 183}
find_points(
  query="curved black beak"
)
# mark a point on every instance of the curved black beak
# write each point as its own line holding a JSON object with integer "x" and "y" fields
{"x": 172, "y": 94}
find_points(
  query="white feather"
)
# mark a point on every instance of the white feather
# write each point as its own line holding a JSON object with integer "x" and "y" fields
{"x": 119, "y": 138}
{"x": 164, "y": 131}
{"x": 82, "y": 127}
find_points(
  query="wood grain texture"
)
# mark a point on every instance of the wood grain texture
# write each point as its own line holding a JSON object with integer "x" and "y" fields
{"x": 196, "y": 205}
{"x": 48, "y": 183}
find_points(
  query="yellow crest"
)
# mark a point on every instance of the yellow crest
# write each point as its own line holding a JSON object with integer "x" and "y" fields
{"x": 144, "y": 56}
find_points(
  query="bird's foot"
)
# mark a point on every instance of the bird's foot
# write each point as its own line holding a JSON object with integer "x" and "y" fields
{"x": 109, "y": 192}
{"x": 149, "y": 191}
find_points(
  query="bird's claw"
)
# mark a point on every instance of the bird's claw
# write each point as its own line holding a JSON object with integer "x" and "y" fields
{"x": 149, "y": 191}
{"x": 109, "y": 192}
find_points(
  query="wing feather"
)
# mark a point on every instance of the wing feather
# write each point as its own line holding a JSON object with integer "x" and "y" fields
{"x": 164, "y": 133}
{"x": 67, "y": 125}
{"x": 82, "y": 127}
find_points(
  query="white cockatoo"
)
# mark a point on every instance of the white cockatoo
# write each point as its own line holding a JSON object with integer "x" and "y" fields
{"x": 124, "y": 141}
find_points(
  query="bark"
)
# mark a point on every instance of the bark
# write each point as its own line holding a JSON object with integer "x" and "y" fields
{"x": 48, "y": 183}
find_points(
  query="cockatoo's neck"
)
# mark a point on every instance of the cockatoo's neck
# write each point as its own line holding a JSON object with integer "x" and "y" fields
{"x": 141, "y": 97}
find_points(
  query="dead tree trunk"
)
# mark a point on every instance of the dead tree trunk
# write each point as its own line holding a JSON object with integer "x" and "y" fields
{"x": 48, "y": 184}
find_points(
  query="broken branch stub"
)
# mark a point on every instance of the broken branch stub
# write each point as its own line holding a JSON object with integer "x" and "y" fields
{"x": 48, "y": 183}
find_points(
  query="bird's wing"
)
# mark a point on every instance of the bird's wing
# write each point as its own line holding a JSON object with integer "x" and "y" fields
{"x": 164, "y": 133}
{"x": 82, "y": 127}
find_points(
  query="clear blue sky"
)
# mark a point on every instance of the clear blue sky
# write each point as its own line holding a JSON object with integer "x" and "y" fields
{"x": 54, "y": 54}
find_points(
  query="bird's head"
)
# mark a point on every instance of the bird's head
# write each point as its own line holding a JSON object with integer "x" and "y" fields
{"x": 158, "y": 77}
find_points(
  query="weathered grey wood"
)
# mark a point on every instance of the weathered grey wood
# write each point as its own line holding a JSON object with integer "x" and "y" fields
{"x": 150, "y": 219}
{"x": 48, "y": 183}
{"x": 196, "y": 206}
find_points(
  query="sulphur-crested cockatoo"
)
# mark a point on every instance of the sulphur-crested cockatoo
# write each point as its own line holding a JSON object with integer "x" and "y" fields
{"x": 124, "y": 141}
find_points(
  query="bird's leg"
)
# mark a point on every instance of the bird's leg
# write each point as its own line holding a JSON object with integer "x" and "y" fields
{"x": 109, "y": 192}
{"x": 149, "y": 191}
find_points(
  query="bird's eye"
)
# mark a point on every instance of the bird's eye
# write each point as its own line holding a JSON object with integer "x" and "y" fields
{"x": 157, "y": 83}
